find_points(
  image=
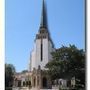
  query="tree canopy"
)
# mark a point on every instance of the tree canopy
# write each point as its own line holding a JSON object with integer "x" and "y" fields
{"x": 67, "y": 62}
{"x": 24, "y": 71}
{"x": 9, "y": 75}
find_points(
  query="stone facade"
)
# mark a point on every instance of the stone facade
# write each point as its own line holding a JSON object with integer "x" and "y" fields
{"x": 37, "y": 76}
{"x": 40, "y": 79}
{"x": 22, "y": 79}
{"x": 36, "y": 79}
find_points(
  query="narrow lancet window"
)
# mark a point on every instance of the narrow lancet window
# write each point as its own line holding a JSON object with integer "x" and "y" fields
{"x": 41, "y": 51}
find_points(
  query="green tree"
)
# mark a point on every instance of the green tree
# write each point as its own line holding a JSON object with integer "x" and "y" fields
{"x": 9, "y": 75}
{"x": 68, "y": 62}
{"x": 24, "y": 71}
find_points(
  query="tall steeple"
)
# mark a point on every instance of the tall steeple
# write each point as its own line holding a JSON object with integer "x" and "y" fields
{"x": 41, "y": 53}
{"x": 43, "y": 16}
{"x": 43, "y": 32}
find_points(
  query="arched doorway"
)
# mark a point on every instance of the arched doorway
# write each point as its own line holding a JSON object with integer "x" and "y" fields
{"x": 34, "y": 81}
{"x": 19, "y": 83}
{"x": 44, "y": 82}
{"x": 29, "y": 83}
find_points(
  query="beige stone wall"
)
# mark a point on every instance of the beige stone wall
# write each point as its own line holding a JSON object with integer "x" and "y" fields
{"x": 37, "y": 79}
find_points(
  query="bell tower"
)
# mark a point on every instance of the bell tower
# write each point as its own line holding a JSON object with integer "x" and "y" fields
{"x": 43, "y": 47}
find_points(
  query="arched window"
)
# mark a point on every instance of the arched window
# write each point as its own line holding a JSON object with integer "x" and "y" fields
{"x": 23, "y": 83}
{"x": 26, "y": 83}
{"x": 29, "y": 83}
{"x": 41, "y": 51}
{"x": 38, "y": 80}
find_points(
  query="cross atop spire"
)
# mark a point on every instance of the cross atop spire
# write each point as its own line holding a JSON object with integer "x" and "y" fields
{"x": 43, "y": 16}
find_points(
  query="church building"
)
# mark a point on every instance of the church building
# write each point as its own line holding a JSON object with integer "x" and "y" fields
{"x": 43, "y": 46}
{"x": 36, "y": 77}
{"x": 41, "y": 53}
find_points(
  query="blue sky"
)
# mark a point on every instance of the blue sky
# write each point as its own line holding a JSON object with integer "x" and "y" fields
{"x": 65, "y": 20}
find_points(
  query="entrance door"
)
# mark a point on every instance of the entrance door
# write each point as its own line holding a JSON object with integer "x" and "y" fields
{"x": 44, "y": 82}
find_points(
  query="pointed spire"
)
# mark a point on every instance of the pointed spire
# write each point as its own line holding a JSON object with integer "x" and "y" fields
{"x": 43, "y": 16}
